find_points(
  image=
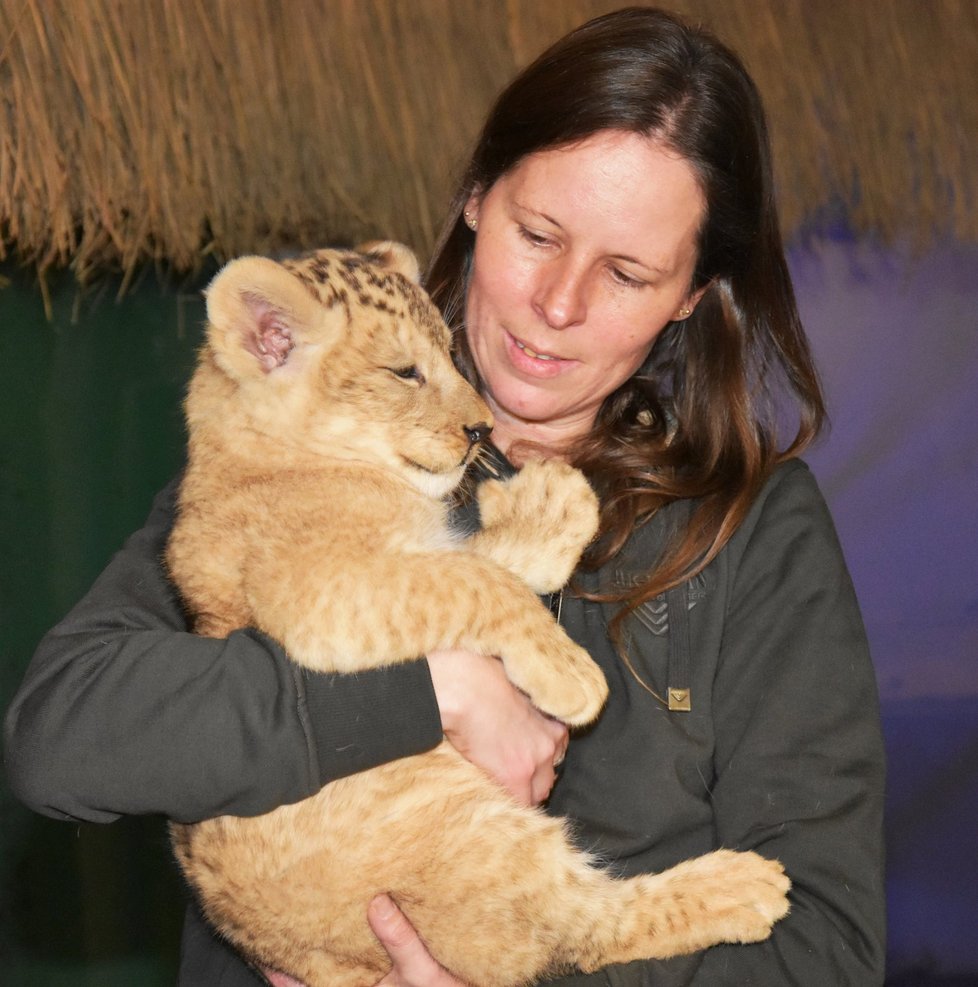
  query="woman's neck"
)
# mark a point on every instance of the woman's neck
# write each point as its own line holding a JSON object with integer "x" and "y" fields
{"x": 512, "y": 435}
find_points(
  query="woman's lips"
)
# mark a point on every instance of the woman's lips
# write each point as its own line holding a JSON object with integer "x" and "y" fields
{"x": 527, "y": 360}
{"x": 533, "y": 353}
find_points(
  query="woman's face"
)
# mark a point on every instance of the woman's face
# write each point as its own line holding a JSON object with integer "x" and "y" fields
{"x": 582, "y": 256}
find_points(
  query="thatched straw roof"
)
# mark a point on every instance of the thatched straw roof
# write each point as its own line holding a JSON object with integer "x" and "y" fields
{"x": 165, "y": 130}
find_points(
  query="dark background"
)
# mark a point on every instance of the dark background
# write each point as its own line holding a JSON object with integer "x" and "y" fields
{"x": 90, "y": 428}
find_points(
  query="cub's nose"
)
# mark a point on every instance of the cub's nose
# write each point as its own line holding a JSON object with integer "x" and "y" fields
{"x": 477, "y": 433}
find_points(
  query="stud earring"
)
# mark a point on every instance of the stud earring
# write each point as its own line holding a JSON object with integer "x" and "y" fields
{"x": 471, "y": 221}
{"x": 684, "y": 313}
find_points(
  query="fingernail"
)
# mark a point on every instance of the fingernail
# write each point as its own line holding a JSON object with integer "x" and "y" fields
{"x": 383, "y": 907}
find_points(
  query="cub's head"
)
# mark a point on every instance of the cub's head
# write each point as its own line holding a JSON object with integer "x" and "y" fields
{"x": 335, "y": 354}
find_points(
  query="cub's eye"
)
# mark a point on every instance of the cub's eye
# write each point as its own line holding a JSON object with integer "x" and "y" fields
{"x": 408, "y": 373}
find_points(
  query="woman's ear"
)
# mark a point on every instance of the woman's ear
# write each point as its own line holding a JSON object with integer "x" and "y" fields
{"x": 470, "y": 211}
{"x": 690, "y": 302}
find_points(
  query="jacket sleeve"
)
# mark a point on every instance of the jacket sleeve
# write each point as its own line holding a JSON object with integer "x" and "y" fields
{"x": 122, "y": 711}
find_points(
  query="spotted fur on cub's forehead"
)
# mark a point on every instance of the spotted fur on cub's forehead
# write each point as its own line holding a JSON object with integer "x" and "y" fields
{"x": 348, "y": 278}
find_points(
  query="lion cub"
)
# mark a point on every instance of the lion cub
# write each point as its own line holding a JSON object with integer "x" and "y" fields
{"x": 327, "y": 426}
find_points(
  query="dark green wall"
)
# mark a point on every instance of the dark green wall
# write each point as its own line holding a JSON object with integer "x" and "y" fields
{"x": 90, "y": 428}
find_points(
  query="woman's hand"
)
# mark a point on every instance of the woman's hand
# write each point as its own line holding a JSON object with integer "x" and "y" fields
{"x": 277, "y": 979}
{"x": 413, "y": 965}
{"x": 493, "y": 725}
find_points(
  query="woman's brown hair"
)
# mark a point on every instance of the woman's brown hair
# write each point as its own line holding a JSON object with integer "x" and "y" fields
{"x": 699, "y": 421}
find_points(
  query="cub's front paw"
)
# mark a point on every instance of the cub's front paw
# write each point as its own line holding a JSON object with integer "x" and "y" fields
{"x": 562, "y": 680}
{"x": 539, "y": 522}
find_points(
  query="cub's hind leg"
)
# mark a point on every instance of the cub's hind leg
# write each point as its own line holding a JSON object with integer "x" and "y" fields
{"x": 720, "y": 897}
{"x": 497, "y": 890}
{"x": 564, "y": 914}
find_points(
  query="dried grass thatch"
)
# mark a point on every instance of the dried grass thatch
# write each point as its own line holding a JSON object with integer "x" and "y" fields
{"x": 165, "y": 130}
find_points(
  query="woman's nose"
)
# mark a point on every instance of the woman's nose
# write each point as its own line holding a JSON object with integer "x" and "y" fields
{"x": 560, "y": 295}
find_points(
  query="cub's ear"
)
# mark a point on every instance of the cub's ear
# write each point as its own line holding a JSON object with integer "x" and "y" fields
{"x": 260, "y": 316}
{"x": 394, "y": 256}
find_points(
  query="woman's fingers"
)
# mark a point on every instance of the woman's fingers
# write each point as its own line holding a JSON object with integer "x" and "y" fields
{"x": 413, "y": 965}
{"x": 277, "y": 979}
{"x": 494, "y": 725}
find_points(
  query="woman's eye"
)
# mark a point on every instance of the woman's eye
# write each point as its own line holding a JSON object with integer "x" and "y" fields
{"x": 407, "y": 373}
{"x": 537, "y": 239}
{"x": 626, "y": 279}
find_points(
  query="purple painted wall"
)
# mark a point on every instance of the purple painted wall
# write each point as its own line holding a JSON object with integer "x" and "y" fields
{"x": 897, "y": 341}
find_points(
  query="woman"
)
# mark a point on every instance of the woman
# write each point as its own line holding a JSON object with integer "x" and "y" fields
{"x": 614, "y": 267}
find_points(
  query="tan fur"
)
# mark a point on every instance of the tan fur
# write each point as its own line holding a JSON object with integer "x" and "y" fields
{"x": 313, "y": 509}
